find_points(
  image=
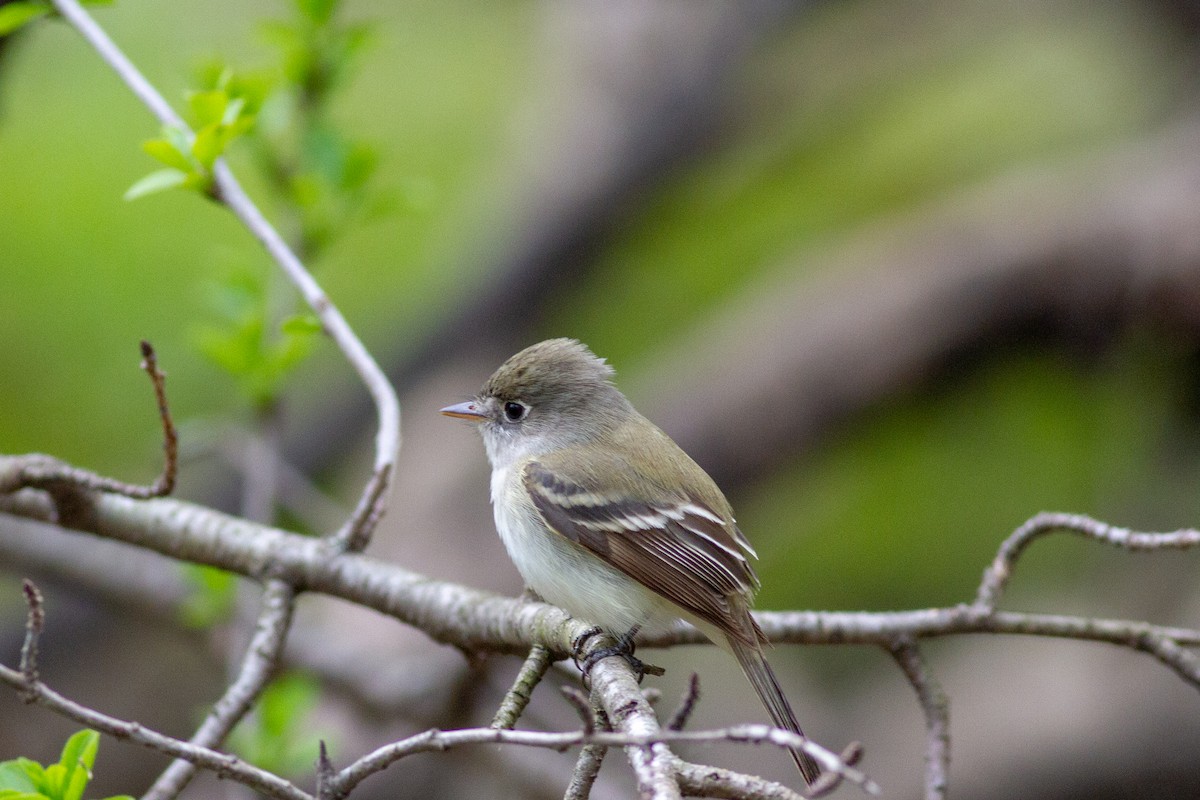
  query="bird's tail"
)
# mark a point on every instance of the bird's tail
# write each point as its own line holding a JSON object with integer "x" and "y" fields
{"x": 755, "y": 665}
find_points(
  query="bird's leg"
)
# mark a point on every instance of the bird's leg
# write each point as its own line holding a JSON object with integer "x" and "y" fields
{"x": 579, "y": 641}
{"x": 623, "y": 648}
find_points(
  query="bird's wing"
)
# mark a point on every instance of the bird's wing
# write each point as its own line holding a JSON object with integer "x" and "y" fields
{"x": 679, "y": 547}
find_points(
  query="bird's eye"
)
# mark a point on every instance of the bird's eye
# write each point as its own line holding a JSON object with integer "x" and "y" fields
{"x": 515, "y": 412}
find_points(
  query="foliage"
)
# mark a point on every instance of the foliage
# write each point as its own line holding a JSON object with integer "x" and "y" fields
{"x": 245, "y": 345}
{"x": 25, "y": 779}
{"x": 16, "y": 15}
{"x": 274, "y": 736}
{"x": 219, "y": 116}
{"x": 212, "y": 596}
{"x": 320, "y": 176}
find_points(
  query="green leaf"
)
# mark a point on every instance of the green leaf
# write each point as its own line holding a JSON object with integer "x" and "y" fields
{"x": 198, "y": 181}
{"x": 14, "y": 15}
{"x": 11, "y": 794}
{"x": 164, "y": 151}
{"x": 208, "y": 107}
{"x": 178, "y": 137}
{"x": 15, "y": 776}
{"x": 158, "y": 181}
{"x": 208, "y": 145}
{"x": 276, "y": 736}
{"x": 55, "y": 781}
{"x": 78, "y": 758}
{"x": 301, "y": 324}
{"x": 233, "y": 111}
{"x": 286, "y": 702}
{"x": 214, "y": 592}
{"x": 319, "y": 11}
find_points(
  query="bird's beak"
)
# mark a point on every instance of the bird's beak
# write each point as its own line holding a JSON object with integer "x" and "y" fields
{"x": 470, "y": 410}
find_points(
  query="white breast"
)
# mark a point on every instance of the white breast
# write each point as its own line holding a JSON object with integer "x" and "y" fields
{"x": 566, "y": 574}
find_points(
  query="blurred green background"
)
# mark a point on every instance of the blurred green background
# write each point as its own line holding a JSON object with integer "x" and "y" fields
{"x": 654, "y": 197}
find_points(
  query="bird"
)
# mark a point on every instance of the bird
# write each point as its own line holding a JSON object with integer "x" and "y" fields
{"x": 606, "y": 517}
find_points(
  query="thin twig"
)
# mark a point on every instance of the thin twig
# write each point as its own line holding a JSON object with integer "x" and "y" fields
{"x": 682, "y": 714}
{"x": 477, "y": 620}
{"x": 33, "y": 630}
{"x": 437, "y": 741}
{"x": 165, "y": 484}
{"x": 226, "y": 189}
{"x": 41, "y": 471}
{"x": 587, "y": 769}
{"x": 936, "y": 708}
{"x": 517, "y": 698}
{"x": 998, "y": 573}
{"x": 326, "y": 772}
{"x": 589, "y": 761}
{"x": 259, "y": 664}
{"x": 582, "y": 705}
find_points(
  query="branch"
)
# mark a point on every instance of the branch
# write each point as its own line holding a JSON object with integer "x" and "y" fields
{"x": 474, "y": 620}
{"x": 590, "y": 759}
{"x": 696, "y": 780}
{"x": 165, "y": 484}
{"x": 477, "y": 620}
{"x": 998, "y": 573}
{"x": 356, "y": 534}
{"x": 682, "y": 714}
{"x": 27, "y": 682}
{"x": 438, "y": 741}
{"x": 947, "y": 278}
{"x": 517, "y": 698}
{"x": 261, "y": 660}
{"x": 936, "y": 707}
{"x": 37, "y": 470}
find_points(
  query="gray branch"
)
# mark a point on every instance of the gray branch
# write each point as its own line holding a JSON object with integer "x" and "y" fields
{"x": 262, "y": 658}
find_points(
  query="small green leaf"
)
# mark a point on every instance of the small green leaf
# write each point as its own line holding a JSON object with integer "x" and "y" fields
{"x": 10, "y": 794}
{"x": 15, "y": 777}
{"x": 14, "y": 15}
{"x": 78, "y": 758}
{"x": 165, "y": 152}
{"x": 55, "y": 781}
{"x": 208, "y": 107}
{"x": 233, "y": 111}
{"x": 286, "y": 701}
{"x": 208, "y": 145}
{"x": 301, "y": 324}
{"x": 319, "y": 11}
{"x": 158, "y": 181}
{"x": 178, "y": 138}
{"x": 212, "y": 598}
{"x": 198, "y": 182}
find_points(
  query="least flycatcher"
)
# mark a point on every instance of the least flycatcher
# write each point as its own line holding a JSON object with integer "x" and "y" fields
{"x": 607, "y": 518}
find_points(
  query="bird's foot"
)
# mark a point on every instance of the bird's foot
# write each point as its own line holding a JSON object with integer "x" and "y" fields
{"x": 623, "y": 648}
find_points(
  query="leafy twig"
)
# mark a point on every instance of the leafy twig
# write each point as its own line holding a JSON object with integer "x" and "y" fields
{"x": 227, "y": 190}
